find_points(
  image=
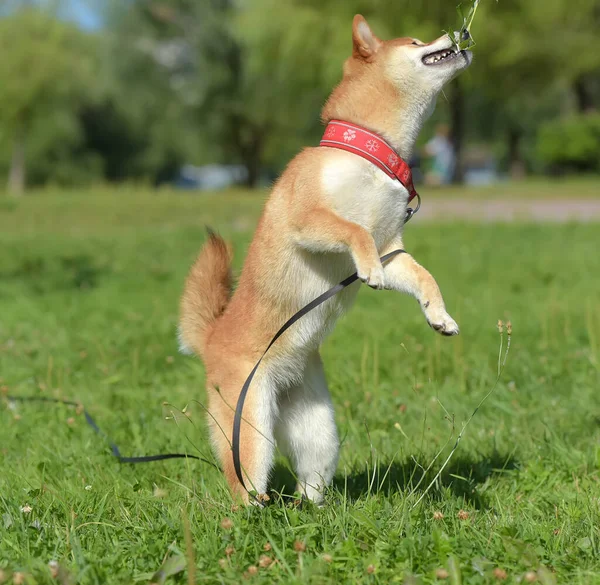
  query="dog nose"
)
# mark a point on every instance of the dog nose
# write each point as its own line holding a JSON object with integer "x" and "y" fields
{"x": 460, "y": 37}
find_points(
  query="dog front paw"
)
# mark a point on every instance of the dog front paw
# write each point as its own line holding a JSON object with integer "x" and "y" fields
{"x": 441, "y": 322}
{"x": 374, "y": 277}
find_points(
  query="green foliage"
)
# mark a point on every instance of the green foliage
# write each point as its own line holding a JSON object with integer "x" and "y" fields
{"x": 174, "y": 81}
{"x": 145, "y": 124}
{"x": 46, "y": 64}
{"x": 518, "y": 54}
{"x": 56, "y": 152}
{"x": 571, "y": 143}
{"x": 89, "y": 311}
{"x": 282, "y": 84}
{"x": 47, "y": 72}
{"x": 466, "y": 24}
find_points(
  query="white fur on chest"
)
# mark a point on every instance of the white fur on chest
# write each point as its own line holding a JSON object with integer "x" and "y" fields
{"x": 362, "y": 193}
{"x": 359, "y": 192}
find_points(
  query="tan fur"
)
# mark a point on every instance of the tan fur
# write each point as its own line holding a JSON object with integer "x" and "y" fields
{"x": 206, "y": 294}
{"x": 329, "y": 214}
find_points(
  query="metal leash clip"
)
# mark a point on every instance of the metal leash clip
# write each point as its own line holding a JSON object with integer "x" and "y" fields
{"x": 410, "y": 211}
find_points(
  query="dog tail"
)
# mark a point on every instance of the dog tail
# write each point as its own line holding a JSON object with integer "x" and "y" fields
{"x": 206, "y": 294}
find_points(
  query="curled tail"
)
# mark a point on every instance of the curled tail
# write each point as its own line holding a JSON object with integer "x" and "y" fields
{"x": 206, "y": 294}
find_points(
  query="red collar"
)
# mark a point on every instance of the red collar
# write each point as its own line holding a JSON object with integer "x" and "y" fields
{"x": 371, "y": 147}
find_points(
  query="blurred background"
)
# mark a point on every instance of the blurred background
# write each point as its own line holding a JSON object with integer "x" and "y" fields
{"x": 204, "y": 94}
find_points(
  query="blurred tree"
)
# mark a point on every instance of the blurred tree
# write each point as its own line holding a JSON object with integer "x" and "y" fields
{"x": 571, "y": 144}
{"x": 242, "y": 82}
{"x": 46, "y": 67}
{"x": 250, "y": 77}
{"x": 278, "y": 85}
{"x": 533, "y": 48}
{"x": 238, "y": 81}
{"x": 143, "y": 126}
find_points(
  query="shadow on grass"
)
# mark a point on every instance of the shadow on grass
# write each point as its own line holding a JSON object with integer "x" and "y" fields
{"x": 462, "y": 477}
{"x": 283, "y": 480}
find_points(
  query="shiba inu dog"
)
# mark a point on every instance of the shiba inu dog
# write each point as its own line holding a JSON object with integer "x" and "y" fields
{"x": 331, "y": 213}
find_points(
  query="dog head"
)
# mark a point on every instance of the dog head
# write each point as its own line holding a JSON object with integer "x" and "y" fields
{"x": 392, "y": 80}
{"x": 408, "y": 63}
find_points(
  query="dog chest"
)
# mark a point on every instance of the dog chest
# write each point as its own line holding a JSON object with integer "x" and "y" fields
{"x": 360, "y": 192}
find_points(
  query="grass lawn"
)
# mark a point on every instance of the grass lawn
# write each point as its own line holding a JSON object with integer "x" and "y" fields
{"x": 89, "y": 288}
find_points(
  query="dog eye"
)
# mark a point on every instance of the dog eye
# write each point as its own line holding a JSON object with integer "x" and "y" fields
{"x": 415, "y": 43}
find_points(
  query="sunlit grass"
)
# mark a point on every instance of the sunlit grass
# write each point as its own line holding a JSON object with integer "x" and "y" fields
{"x": 89, "y": 287}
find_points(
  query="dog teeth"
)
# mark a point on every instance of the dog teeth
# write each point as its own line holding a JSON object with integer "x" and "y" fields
{"x": 440, "y": 56}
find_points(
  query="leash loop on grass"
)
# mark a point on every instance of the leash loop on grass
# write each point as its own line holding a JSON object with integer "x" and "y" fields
{"x": 237, "y": 421}
{"x": 113, "y": 447}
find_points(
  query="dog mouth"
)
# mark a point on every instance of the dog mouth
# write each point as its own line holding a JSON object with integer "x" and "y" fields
{"x": 440, "y": 57}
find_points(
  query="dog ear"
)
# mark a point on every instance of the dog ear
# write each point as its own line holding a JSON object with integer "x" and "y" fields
{"x": 366, "y": 44}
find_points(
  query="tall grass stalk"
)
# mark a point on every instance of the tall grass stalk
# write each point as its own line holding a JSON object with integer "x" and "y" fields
{"x": 501, "y": 366}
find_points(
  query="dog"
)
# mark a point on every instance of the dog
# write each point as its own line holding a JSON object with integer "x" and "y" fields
{"x": 329, "y": 214}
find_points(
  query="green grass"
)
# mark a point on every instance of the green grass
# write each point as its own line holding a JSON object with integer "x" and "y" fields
{"x": 89, "y": 287}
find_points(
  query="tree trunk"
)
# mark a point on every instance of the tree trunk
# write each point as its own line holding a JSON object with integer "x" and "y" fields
{"x": 585, "y": 102}
{"x": 252, "y": 157}
{"x": 252, "y": 163}
{"x": 516, "y": 164}
{"x": 253, "y": 175}
{"x": 16, "y": 176}
{"x": 457, "y": 130}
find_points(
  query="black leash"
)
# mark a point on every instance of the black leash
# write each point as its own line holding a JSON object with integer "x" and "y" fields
{"x": 237, "y": 421}
{"x": 113, "y": 447}
{"x": 242, "y": 398}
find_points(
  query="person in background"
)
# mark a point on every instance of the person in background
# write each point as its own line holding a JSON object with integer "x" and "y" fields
{"x": 441, "y": 151}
